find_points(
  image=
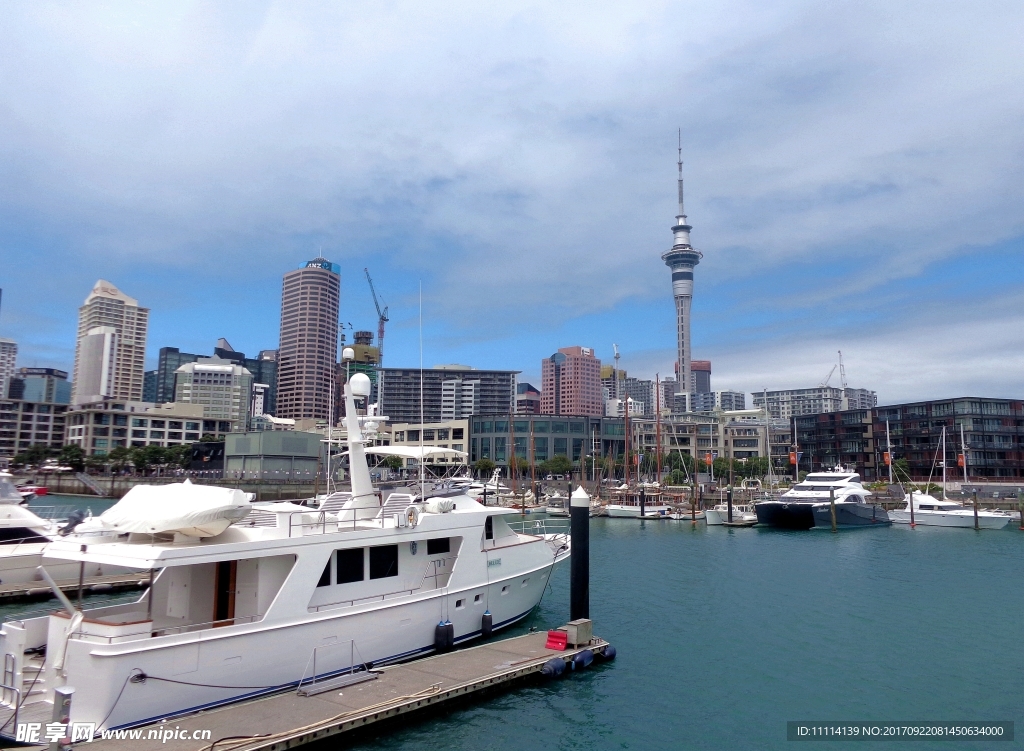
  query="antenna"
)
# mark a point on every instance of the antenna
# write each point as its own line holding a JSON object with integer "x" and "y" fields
{"x": 682, "y": 212}
{"x": 615, "y": 371}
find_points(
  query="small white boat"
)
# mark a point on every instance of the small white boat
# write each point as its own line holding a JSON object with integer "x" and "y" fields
{"x": 686, "y": 516}
{"x": 625, "y": 504}
{"x": 932, "y": 512}
{"x": 741, "y": 513}
{"x": 557, "y": 505}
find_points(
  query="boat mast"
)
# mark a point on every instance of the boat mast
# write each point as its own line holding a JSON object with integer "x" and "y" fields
{"x": 513, "y": 460}
{"x": 943, "y": 462}
{"x": 963, "y": 448}
{"x": 625, "y": 462}
{"x": 888, "y": 449}
{"x": 657, "y": 421}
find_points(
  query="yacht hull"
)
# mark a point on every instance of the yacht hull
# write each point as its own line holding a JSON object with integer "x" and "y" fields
{"x": 633, "y": 512}
{"x": 851, "y": 515}
{"x": 785, "y": 515}
{"x": 948, "y": 519}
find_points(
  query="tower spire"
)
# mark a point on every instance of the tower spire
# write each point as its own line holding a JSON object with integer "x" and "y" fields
{"x": 682, "y": 211}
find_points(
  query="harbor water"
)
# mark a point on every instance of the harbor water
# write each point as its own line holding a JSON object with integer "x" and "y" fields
{"x": 723, "y": 635}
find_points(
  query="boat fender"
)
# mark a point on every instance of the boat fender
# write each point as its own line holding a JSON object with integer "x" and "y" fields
{"x": 440, "y": 637}
{"x": 553, "y": 667}
{"x": 449, "y": 635}
{"x": 608, "y": 653}
{"x": 583, "y": 659}
{"x": 412, "y": 515}
{"x": 487, "y": 624}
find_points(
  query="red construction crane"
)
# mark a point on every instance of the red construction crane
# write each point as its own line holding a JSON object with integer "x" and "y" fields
{"x": 382, "y": 318}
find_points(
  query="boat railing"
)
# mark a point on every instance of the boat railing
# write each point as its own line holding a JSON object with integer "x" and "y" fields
{"x": 13, "y": 704}
{"x": 308, "y": 687}
{"x": 327, "y": 522}
{"x": 439, "y": 570}
{"x": 221, "y": 623}
{"x": 539, "y": 527}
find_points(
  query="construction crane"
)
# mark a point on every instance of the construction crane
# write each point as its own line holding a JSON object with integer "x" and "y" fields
{"x": 382, "y": 318}
{"x": 844, "y": 403}
{"x": 829, "y": 376}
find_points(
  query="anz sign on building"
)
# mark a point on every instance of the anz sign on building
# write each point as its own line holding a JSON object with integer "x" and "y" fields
{"x": 322, "y": 263}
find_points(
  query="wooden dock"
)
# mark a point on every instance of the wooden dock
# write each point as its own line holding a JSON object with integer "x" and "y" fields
{"x": 39, "y": 590}
{"x": 286, "y": 720}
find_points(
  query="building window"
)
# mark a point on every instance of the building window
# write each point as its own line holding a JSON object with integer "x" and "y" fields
{"x": 174, "y": 435}
{"x": 156, "y": 434}
{"x": 428, "y": 435}
{"x": 191, "y": 436}
{"x": 139, "y": 434}
{"x": 174, "y": 425}
{"x": 442, "y": 434}
{"x": 191, "y": 426}
{"x": 457, "y": 434}
{"x": 138, "y": 423}
{"x": 156, "y": 423}
{"x": 414, "y": 435}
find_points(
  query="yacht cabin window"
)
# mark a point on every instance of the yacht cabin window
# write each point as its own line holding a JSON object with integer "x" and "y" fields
{"x": 350, "y": 565}
{"x": 489, "y": 529}
{"x": 383, "y": 561}
{"x": 438, "y": 545}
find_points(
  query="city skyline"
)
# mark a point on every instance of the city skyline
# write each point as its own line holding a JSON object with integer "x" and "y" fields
{"x": 821, "y": 182}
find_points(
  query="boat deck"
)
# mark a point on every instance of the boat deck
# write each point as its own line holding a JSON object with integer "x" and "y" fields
{"x": 286, "y": 720}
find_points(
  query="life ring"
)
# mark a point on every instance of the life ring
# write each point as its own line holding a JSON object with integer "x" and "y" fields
{"x": 412, "y": 516}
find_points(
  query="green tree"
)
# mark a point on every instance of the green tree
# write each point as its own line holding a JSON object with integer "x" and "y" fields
{"x": 392, "y": 462}
{"x": 178, "y": 456}
{"x": 140, "y": 459}
{"x": 484, "y": 467}
{"x": 676, "y": 477}
{"x": 34, "y": 455}
{"x": 901, "y": 470}
{"x": 72, "y": 456}
{"x": 557, "y": 465}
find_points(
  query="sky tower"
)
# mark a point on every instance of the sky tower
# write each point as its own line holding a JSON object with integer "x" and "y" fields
{"x": 681, "y": 258}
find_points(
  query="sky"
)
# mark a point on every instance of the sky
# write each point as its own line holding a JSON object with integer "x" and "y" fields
{"x": 853, "y": 177}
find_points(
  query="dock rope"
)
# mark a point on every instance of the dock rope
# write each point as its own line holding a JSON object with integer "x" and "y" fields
{"x": 434, "y": 689}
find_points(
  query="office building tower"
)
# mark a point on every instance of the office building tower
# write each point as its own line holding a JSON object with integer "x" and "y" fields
{"x": 149, "y": 386}
{"x": 263, "y": 369}
{"x": 700, "y": 376}
{"x": 711, "y": 401}
{"x": 111, "y": 345}
{"x": 24, "y": 424}
{"x": 527, "y": 399}
{"x": 641, "y": 392}
{"x": 682, "y": 258}
{"x": 308, "y": 351}
{"x": 41, "y": 386}
{"x": 8, "y": 358}
{"x": 167, "y": 364}
{"x": 447, "y": 390}
{"x": 571, "y": 383}
{"x": 221, "y": 387}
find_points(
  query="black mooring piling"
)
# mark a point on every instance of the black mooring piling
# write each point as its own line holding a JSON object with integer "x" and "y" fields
{"x": 579, "y": 562}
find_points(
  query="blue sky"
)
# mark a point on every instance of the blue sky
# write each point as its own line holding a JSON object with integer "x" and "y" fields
{"x": 853, "y": 176}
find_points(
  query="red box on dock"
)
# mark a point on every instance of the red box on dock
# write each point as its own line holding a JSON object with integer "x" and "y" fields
{"x": 557, "y": 640}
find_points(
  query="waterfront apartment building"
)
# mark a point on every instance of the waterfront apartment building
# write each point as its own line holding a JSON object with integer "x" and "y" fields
{"x": 787, "y": 403}
{"x": 25, "y": 423}
{"x": 640, "y": 391}
{"x": 111, "y": 346}
{"x": 993, "y": 431}
{"x": 450, "y": 392}
{"x": 222, "y": 388}
{"x": 308, "y": 352}
{"x": 100, "y": 426}
{"x": 449, "y": 434}
{"x": 710, "y": 401}
{"x": 8, "y": 359}
{"x": 571, "y": 383}
{"x": 45, "y": 385}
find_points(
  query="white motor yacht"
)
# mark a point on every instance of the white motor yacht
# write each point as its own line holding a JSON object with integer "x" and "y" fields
{"x": 933, "y": 512}
{"x": 494, "y": 487}
{"x": 625, "y": 503}
{"x": 556, "y": 505}
{"x": 741, "y": 514}
{"x": 253, "y": 598}
{"x": 24, "y": 536}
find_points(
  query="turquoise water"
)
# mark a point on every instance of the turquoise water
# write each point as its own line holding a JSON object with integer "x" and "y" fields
{"x": 724, "y": 635}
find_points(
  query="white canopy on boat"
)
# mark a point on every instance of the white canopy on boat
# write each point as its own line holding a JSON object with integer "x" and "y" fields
{"x": 413, "y": 452}
{"x": 194, "y": 510}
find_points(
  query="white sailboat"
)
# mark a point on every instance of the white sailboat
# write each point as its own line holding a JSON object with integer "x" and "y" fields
{"x": 244, "y": 595}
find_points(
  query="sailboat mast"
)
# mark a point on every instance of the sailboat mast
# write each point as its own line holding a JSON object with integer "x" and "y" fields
{"x": 625, "y": 462}
{"x": 888, "y": 449}
{"x": 657, "y": 421}
{"x": 943, "y": 462}
{"x": 963, "y": 448}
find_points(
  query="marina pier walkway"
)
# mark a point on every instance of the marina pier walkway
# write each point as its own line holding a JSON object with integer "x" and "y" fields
{"x": 287, "y": 720}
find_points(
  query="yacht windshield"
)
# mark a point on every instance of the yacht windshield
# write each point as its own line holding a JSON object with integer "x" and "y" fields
{"x": 8, "y": 492}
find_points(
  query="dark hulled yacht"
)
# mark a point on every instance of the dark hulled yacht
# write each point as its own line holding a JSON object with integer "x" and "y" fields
{"x": 806, "y": 504}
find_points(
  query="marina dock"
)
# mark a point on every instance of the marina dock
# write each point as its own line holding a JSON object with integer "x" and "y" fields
{"x": 92, "y": 584}
{"x": 288, "y": 719}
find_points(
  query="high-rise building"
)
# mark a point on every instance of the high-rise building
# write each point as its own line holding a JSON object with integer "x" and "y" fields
{"x": 469, "y": 391}
{"x": 681, "y": 258}
{"x": 700, "y": 376}
{"x": 527, "y": 399}
{"x": 222, "y": 387}
{"x": 571, "y": 383}
{"x": 41, "y": 385}
{"x": 641, "y": 392}
{"x": 8, "y": 358}
{"x": 167, "y": 364}
{"x": 310, "y": 297}
{"x": 111, "y": 346}
{"x": 786, "y": 403}
{"x": 711, "y": 401}
{"x": 149, "y": 386}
